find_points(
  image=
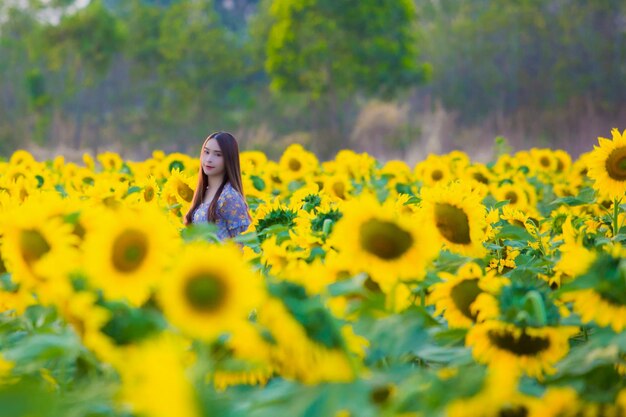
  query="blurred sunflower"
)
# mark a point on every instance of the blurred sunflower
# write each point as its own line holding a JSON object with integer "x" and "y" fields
{"x": 374, "y": 238}
{"x": 273, "y": 214}
{"x": 210, "y": 290}
{"x": 312, "y": 352}
{"x": 126, "y": 251}
{"x": 358, "y": 166}
{"x": 497, "y": 396}
{"x": 338, "y": 185}
{"x": 252, "y": 162}
{"x": 607, "y": 165}
{"x": 434, "y": 170}
{"x": 455, "y": 295}
{"x": 178, "y": 161}
{"x": 110, "y": 161}
{"x": 599, "y": 295}
{"x": 297, "y": 163}
{"x": 544, "y": 160}
{"x": 459, "y": 217}
{"x": 39, "y": 250}
{"x": 178, "y": 191}
{"x": 521, "y": 195}
{"x": 533, "y": 350}
{"x": 154, "y": 381}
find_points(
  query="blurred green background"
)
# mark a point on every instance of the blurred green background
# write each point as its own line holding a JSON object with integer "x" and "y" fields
{"x": 396, "y": 78}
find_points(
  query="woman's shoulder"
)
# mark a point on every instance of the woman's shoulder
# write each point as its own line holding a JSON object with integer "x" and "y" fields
{"x": 229, "y": 193}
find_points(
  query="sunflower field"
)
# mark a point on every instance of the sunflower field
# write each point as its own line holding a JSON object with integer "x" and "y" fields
{"x": 451, "y": 288}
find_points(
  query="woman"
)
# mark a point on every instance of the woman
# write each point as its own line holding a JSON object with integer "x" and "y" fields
{"x": 219, "y": 195}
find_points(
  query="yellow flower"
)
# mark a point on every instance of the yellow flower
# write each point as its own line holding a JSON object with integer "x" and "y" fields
{"x": 125, "y": 252}
{"x": 297, "y": 163}
{"x": 110, "y": 161}
{"x": 434, "y": 170}
{"x": 295, "y": 355}
{"x": 210, "y": 290}
{"x": 39, "y": 250}
{"x": 5, "y": 368}
{"x": 459, "y": 217}
{"x": 154, "y": 379}
{"x": 382, "y": 242}
{"x": 531, "y": 350}
{"x": 179, "y": 190}
{"x": 575, "y": 258}
{"x": 456, "y": 295}
{"x": 607, "y": 165}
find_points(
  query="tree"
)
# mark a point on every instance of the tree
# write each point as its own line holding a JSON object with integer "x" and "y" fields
{"x": 330, "y": 50}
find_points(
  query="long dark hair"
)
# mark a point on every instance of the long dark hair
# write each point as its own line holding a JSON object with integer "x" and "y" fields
{"x": 232, "y": 174}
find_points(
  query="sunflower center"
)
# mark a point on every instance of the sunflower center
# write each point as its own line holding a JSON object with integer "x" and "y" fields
{"x": 480, "y": 178}
{"x": 148, "y": 194}
{"x": 511, "y": 196}
{"x": 384, "y": 239}
{"x": 544, "y": 161}
{"x": 184, "y": 191}
{"x": 3, "y": 267}
{"x": 294, "y": 165}
{"x": 33, "y": 246}
{"x": 129, "y": 250}
{"x": 524, "y": 345}
{"x": 452, "y": 223}
{"x": 519, "y": 411}
{"x": 616, "y": 164}
{"x": 340, "y": 190}
{"x": 463, "y": 294}
{"x": 436, "y": 175}
{"x": 205, "y": 292}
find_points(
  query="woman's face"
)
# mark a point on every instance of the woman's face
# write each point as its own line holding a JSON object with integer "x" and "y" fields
{"x": 212, "y": 160}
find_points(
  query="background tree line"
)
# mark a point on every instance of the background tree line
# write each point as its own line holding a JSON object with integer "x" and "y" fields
{"x": 397, "y": 78}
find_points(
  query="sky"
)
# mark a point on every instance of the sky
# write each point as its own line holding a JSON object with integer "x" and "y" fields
{"x": 50, "y": 15}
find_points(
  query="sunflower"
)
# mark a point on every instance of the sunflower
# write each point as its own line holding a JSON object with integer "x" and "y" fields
{"x": 126, "y": 251}
{"x": 358, "y": 166}
{"x": 178, "y": 191}
{"x": 296, "y": 354}
{"x": 376, "y": 239}
{"x": 575, "y": 259}
{"x": 533, "y": 350}
{"x": 434, "y": 170}
{"x": 22, "y": 157}
{"x": 497, "y": 396}
{"x": 178, "y": 161}
{"x": 297, "y": 163}
{"x": 110, "y": 161}
{"x": 455, "y": 295}
{"x": 521, "y": 195}
{"x": 273, "y": 214}
{"x": 544, "y": 160}
{"x": 87, "y": 318}
{"x": 247, "y": 358}
{"x": 154, "y": 381}
{"x": 558, "y": 402}
{"x": 39, "y": 250}
{"x": 252, "y": 162}
{"x": 599, "y": 295}
{"x": 338, "y": 186}
{"x": 398, "y": 173}
{"x": 607, "y": 165}
{"x": 459, "y": 217}
{"x": 210, "y": 290}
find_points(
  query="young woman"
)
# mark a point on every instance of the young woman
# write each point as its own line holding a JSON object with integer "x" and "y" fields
{"x": 219, "y": 195}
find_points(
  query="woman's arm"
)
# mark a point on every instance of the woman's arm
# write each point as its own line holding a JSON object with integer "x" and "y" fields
{"x": 234, "y": 211}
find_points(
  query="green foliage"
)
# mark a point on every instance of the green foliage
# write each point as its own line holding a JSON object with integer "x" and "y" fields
{"x": 322, "y": 46}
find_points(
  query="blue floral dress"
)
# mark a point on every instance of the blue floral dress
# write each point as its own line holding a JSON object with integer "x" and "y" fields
{"x": 232, "y": 213}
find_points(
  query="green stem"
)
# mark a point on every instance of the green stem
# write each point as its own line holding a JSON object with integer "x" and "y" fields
{"x": 616, "y": 202}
